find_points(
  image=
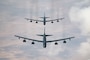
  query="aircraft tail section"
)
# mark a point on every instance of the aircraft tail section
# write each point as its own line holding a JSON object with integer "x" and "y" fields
{"x": 43, "y": 35}
{"x": 39, "y": 35}
{"x": 48, "y": 35}
{"x": 44, "y": 17}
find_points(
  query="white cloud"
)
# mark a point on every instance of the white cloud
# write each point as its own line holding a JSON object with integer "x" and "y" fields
{"x": 16, "y": 3}
{"x": 8, "y": 43}
{"x": 48, "y": 58}
{"x": 84, "y": 48}
{"x": 81, "y": 17}
{"x": 10, "y": 54}
{"x": 84, "y": 14}
{"x": 52, "y": 50}
{"x": 82, "y": 52}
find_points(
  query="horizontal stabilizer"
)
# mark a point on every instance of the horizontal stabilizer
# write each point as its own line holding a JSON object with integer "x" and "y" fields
{"x": 39, "y": 35}
{"x": 44, "y": 17}
{"x": 48, "y": 35}
{"x": 43, "y": 35}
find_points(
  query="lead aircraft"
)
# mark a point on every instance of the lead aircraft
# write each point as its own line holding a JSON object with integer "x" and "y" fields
{"x": 44, "y": 41}
{"x": 44, "y": 20}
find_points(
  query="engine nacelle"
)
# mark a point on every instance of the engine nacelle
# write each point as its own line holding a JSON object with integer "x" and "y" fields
{"x": 31, "y": 21}
{"x": 24, "y": 40}
{"x": 51, "y": 21}
{"x": 64, "y": 41}
{"x": 56, "y": 43}
{"x": 32, "y": 43}
{"x": 36, "y": 22}
{"x": 57, "y": 20}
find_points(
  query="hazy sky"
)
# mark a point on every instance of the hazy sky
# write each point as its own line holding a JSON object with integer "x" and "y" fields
{"x": 76, "y": 23}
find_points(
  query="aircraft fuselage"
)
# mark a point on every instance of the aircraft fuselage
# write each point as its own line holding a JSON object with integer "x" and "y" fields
{"x": 44, "y": 41}
{"x": 44, "y": 20}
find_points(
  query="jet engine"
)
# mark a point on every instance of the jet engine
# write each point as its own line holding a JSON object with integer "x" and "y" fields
{"x": 30, "y": 20}
{"x": 24, "y": 40}
{"x": 56, "y": 43}
{"x": 64, "y": 42}
{"x": 36, "y": 22}
{"x": 57, "y": 20}
{"x": 32, "y": 43}
{"x": 51, "y": 21}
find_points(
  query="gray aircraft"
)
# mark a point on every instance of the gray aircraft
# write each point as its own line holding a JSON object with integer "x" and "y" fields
{"x": 44, "y": 20}
{"x": 44, "y": 39}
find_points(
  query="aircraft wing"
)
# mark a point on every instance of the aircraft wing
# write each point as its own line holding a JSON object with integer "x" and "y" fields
{"x": 33, "y": 20}
{"x": 27, "y": 38}
{"x": 55, "y": 19}
{"x": 60, "y": 39}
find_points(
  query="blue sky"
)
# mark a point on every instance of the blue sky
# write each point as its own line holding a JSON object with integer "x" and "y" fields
{"x": 76, "y": 23}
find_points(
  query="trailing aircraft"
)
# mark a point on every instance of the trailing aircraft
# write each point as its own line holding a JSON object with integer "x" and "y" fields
{"x": 44, "y": 20}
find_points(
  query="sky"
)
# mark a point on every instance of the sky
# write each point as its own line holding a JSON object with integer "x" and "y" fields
{"x": 76, "y": 23}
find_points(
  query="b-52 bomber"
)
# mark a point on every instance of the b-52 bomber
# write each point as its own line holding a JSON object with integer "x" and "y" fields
{"x": 44, "y": 20}
{"x": 44, "y": 41}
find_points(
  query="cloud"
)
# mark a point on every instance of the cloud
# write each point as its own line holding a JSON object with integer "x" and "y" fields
{"x": 48, "y": 58}
{"x": 14, "y": 3}
{"x": 13, "y": 54}
{"x": 82, "y": 52}
{"x": 52, "y": 50}
{"x": 84, "y": 48}
{"x": 80, "y": 16}
{"x": 10, "y": 53}
{"x": 9, "y": 43}
{"x": 84, "y": 14}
